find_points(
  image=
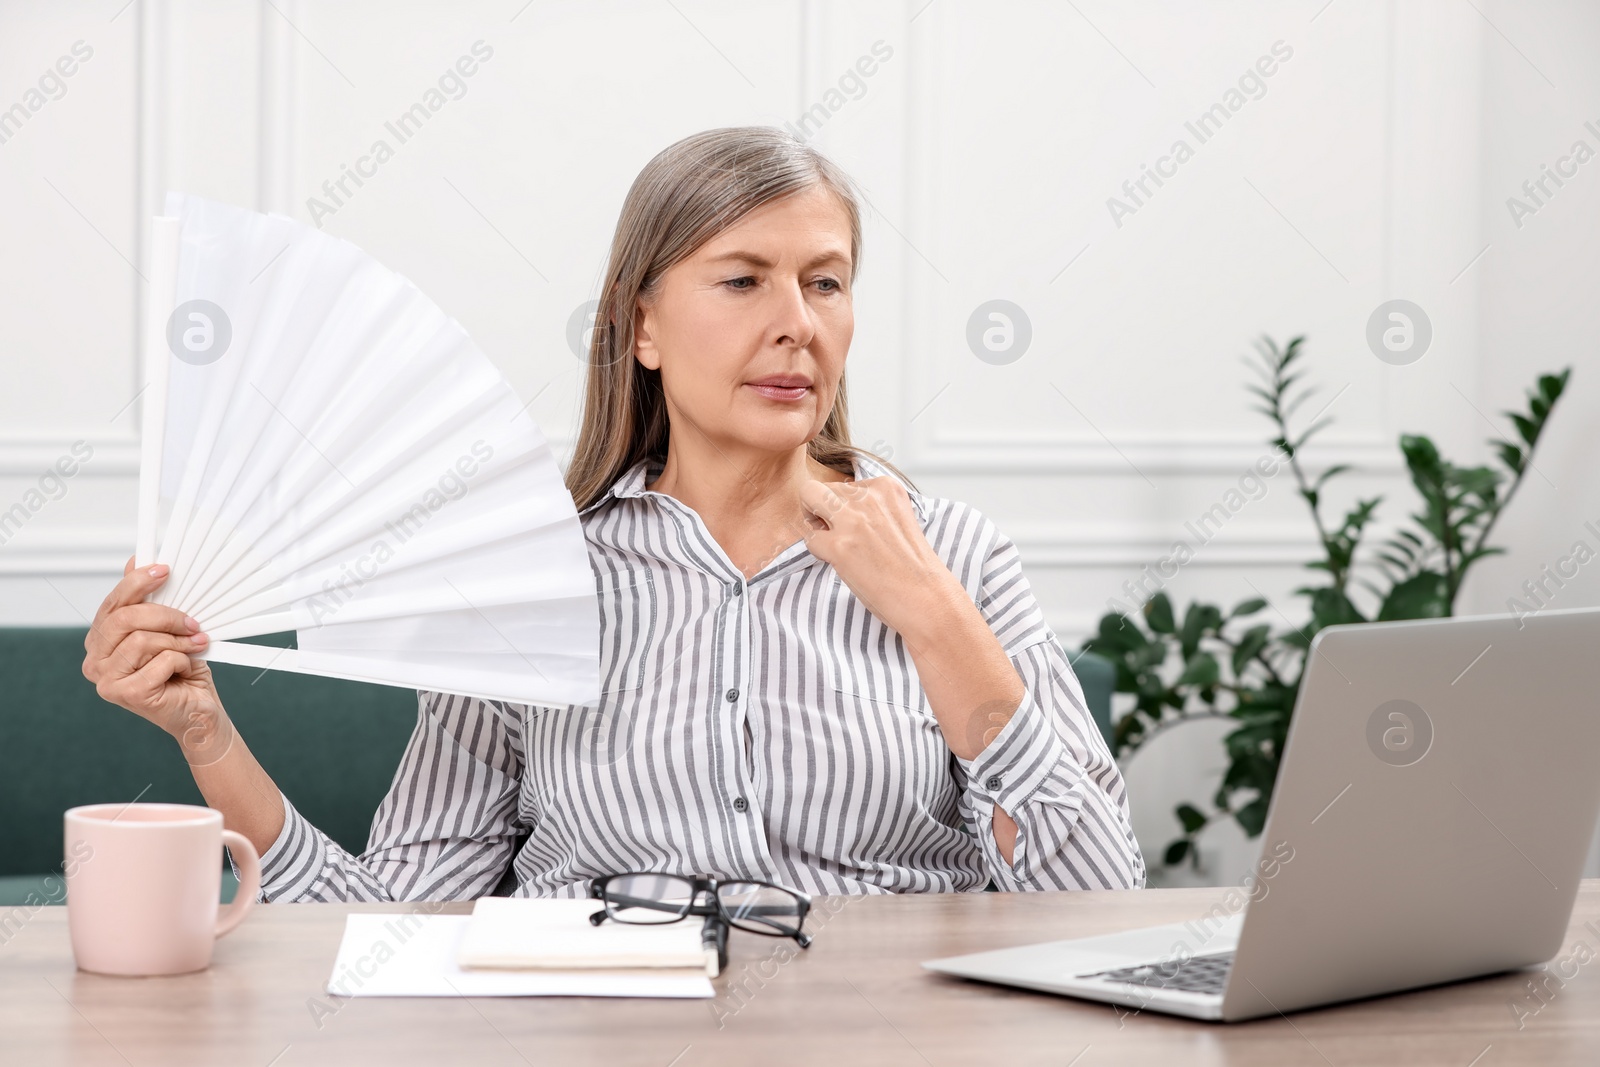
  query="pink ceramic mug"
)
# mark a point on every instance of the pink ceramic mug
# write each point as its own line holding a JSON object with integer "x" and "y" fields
{"x": 144, "y": 883}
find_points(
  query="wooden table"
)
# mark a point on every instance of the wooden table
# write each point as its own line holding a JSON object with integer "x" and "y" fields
{"x": 858, "y": 996}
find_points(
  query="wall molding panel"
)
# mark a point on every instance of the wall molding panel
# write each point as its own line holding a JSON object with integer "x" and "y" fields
{"x": 915, "y": 136}
{"x": 1133, "y": 456}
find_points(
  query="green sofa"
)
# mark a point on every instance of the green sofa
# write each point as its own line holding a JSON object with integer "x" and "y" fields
{"x": 1098, "y": 677}
{"x": 332, "y": 746}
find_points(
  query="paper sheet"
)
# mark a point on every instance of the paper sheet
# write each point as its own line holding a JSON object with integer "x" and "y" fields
{"x": 395, "y": 955}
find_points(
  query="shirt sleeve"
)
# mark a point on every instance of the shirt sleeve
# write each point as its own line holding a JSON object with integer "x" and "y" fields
{"x": 1048, "y": 767}
{"x": 446, "y": 830}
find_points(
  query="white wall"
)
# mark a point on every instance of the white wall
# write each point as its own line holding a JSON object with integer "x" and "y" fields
{"x": 1375, "y": 164}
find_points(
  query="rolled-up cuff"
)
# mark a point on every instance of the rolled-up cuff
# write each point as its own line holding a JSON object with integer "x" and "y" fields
{"x": 1021, "y": 758}
{"x": 290, "y": 866}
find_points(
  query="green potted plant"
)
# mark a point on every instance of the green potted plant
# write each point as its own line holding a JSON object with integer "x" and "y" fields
{"x": 1211, "y": 663}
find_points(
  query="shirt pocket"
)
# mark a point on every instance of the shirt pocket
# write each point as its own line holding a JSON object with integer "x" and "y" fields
{"x": 627, "y": 627}
{"x": 889, "y": 758}
{"x": 872, "y": 665}
{"x": 886, "y": 683}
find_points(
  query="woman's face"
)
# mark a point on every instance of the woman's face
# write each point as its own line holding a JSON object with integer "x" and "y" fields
{"x": 768, "y": 298}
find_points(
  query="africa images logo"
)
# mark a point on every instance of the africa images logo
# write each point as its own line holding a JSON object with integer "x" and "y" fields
{"x": 1399, "y": 733}
{"x": 198, "y": 332}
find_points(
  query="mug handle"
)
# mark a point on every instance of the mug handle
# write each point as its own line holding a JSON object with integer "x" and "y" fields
{"x": 249, "y": 881}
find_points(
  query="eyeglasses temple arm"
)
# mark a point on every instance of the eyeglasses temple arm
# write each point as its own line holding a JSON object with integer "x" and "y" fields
{"x": 714, "y": 935}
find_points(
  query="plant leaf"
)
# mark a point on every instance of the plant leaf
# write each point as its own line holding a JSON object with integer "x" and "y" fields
{"x": 1158, "y": 614}
{"x": 1253, "y": 816}
{"x": 1510, "y": 455}
{"x": 1247, "y": 607}
{"x": 1118, "y": 634}
{"x": 1425, "y": 596}
{"x": 1201, "y": 669}
{"x": 1254, "y": 640}
{"x": 1330, "y": 607}
{"x": 1336, "y": 469}
{"x": 1526, "y": 428}
{"x": 1198, "y": 619}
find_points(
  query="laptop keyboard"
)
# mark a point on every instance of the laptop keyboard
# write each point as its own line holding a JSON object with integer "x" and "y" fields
{"x": 1197, "y": 974}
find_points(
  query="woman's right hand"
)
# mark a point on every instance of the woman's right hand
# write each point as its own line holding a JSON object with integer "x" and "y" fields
{"x": 143, "y": 657}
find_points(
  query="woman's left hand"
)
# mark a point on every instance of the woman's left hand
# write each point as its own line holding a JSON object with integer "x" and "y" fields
{"x": 868, "y": 531}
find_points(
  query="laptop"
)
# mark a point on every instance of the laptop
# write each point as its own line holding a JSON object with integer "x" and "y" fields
{"x": 1434, "y": 808}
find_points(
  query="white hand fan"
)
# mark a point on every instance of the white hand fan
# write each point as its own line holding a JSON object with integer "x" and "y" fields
{"x": 325, "y": 451}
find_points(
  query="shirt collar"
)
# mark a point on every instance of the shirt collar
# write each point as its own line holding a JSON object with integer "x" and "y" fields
{"x": 632, "y": 482}
{"x": 869, "y": 466}
{"x": 635, "y": 478}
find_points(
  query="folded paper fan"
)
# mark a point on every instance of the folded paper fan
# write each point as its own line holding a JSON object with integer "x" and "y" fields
{"x": 325, "y": 451}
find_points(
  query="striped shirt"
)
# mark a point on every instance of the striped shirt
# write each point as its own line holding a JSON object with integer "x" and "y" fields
{"x": 768, "y": 728}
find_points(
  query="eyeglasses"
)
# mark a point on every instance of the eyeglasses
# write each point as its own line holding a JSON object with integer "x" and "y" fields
{"x": 757, "y": 907}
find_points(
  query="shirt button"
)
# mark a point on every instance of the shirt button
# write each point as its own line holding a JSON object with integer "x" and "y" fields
{"x": 732, "y": 695}
{"x": 738, "y": 588}
{"x": 740, "y": 804}
{"x": 993, "y": 783}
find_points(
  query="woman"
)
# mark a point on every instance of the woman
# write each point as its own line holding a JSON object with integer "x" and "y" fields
{"x": 811, "y": 673}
